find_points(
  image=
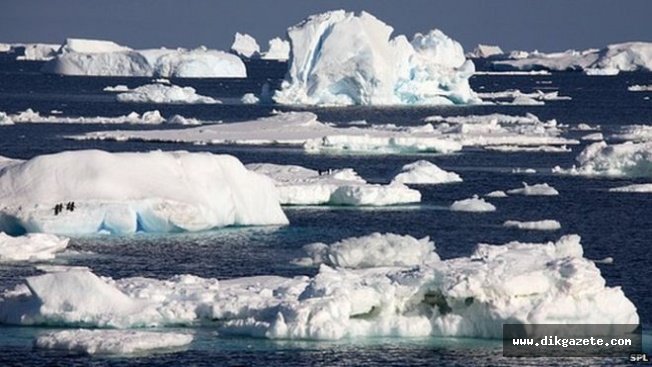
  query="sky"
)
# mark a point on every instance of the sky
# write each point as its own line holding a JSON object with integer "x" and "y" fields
{"x": 546, "y": 25}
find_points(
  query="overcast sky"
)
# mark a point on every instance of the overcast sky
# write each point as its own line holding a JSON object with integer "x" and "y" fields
{"x": 547, "y": 25}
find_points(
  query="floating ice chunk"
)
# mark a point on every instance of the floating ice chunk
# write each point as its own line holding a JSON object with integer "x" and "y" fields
{"x": 129, "y": 192}
{"x": 36, "y": 51}
{"x": 618, "y": 160}
{"x": 91, "y": 46}
{"x": 586, "y": 127}
{"x": 375, "y": 195}
{"x": 636, "y": 133}
{"x": 485, "y": 51}
{"x": 278, "y": 50}
{"x": 530, "y": 72}
{"x": 601, "y": 72}
{"x": 424, "y": 172}
{"x": 30, "y": 116}
{"x": 526, "y": 283}
{"x": 473, "y": 204}
{"x": 496, "y": 194}
{"x": 525, "y": 101}
{"x": 593, "y": 137}
{"x": 31, "y": 247}
{"x": 246, "y": 46}
{"x": 516, "y": 148}
{"x": 542, "y": 225}
{"x": 5, "y": 120}
{"x": 111, "y": 341}
{"x": 180, "y": 120}
{"x": 340, "y": 58}
{"x": 519, "y": 97}
{"x": 535, "y": 190}
{"x": 250, "y": 98}
{"x": 375, "y": 250}
{"x": 524, "y": 170}
{"x": 639, "y": 88}
{"x": 159, "y": 93}
{"x": 641, "y": 188}
{"x": 117, "y": 88}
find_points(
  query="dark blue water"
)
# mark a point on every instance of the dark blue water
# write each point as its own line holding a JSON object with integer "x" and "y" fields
{"x": 614, "y": 225}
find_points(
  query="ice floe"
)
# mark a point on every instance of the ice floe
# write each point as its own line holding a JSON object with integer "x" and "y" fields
{"x": 617, "y": 160}
{"x": 473, "y": 204}
{"x": 116, "y": 88}
{"x": 31, "y": 116}
{"x": 279, "y": 49}
{"x": 31, "y": 247}
{"x": 92, "y": 57}
{"x": 375, "y": 250}
{"x": 424, "y": 172}
{"x": 111, "y": 341}
{"x": 593, "y": 137}
{"x": 485, "y": 51}
{"x": 473, "y": 296}
{"x": 339, "y": 58}
{"x": 5, "y": 119}
{"x": 169, "y": 94}
{"x": 517, "y": 149}
{"x": 640, "y": 88}
{"x": 246, "y": 46}
{"x": 541, "y": 225}
{"x": 519, "y": 98}
{"x": 249, "y": 98}
{"x": 128, "y": 192}
{"x": 496, "y": 194}
{"x": 534, "y": 190}
{"x": 601, "y": 72}
{"x": 640, "y": 188}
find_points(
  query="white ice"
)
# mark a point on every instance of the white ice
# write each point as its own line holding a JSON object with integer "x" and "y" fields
{"x": 496, "y": 194}
{"x": 473, "y": 204}
{"x": 374, "y": 250}
{"x": 116, "y": 88}
{"x": 111, "y": 341}
{"x": 246, "y": 46}
{"x": 339, "y": 58}
{"x": 634, "y": 133}
{"x": 593, "y": 137}
{"x": 424, "y": 172}
{"x": 541, "y": 225}
{"x": 640, "y": 88}
{"x": 128, "y": 192}
{"x": 249, "y": 98}
{"x": 639, "y": 188}
{"x": 168, "y": 94}
{"x": 516, "y": 148}
{"x": 298, "y": 185}
{"x": 279, "y": 49}
{"x": 31, "y": 247}
{"x": 471, "y": 296}
{"x": 37, "y": 51}
{"x": 485, "y": 51}
{"x": 31, "y": 116}
{"x": 534, "y": 190}
{"x": 519, "y": 98}
{"x": 617, "y": 160}
{"x": 601, "y": 72}
{"x": 5, "y": 119}
{"x": 97, "y": 59}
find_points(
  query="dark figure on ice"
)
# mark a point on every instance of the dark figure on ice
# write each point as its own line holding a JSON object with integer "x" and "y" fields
{"x": 58, "y": 209}
{"x": 70, "y": 206}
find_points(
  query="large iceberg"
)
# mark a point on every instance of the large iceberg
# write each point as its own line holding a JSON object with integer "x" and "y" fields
{"x": 617, "y": 160}
{"x": 339, "y": 58}
{"x": 303, "y": 186}
{"x": 102, "y": 58}
{"x": 523, "y": 283}
{"x": 246, "y": 46}
{"x": 128, "y": 192}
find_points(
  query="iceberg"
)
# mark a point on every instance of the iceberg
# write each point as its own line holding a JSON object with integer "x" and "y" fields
{"x": 496, "y": 194}
{"x": 249, "y": 98}
{"x": 615, "y": 160}
{"x": 640, "y": 88}
{"x": 485, "y": 51}
{"x": 169, "y": 94}
{"x": 303, "y": 186}
{"x": 5, "y": 119}
{"x": 339, "y": 58}
{"x": 424, "y": 172}
{"x": 31, "y": 247}
{"x": 246, "y": 46}
{"x": 102, "y": 58}
{"x": 638, "y": 188}
{"x": 473, "y": 204}
{"x": 111, "y": 341}
{"x": 524, "y": 283}
{"x": 279, "y": 49}
{"x": 541, "y": 225}
{"x": 128, "y": 192}
{"x": 374, "y": 250}
{"x": 30, "y": 116}
{"x": 534, "y": 190}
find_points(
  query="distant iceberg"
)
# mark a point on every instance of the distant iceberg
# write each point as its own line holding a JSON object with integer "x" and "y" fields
{"x": 104, "y": 58}
{"x": 424, "y": 172}
{"x": 128, "y": 192}
{"x": 339, "y": 58}
{"x": 246, "y": 46}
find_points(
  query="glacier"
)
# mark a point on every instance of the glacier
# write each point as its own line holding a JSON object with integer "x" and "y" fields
{"x": 339, "y": 58}
{"x": 123, "y": 193}
{"x": 103, "y": 58}
{"x": 473, "y": 296}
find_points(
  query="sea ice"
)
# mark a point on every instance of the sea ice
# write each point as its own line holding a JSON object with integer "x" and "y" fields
{"x": 278, "y": 50}
{"x": 601, "y": 72}
{"x": 339, "y": 58}
{"x": 128, "y": 192}
{"x": 518, "y": 149}
{"x": 640, "y": 188}
{"x": 496, "y": 194}
{"x": 31, "y": 247}
{"x": 534, "y": 190}
{"x": 424, "y": 172}
{"x": 640, "y": 88}
{"x": 246, "y": 46}
{"x": 5, "y": 119}
{"x": 634, "y": 133}
{"x": 473, "y": 204}
{"x": 526, "y": 283}
{"x": 250, "y": 98}
{"x": 37, "y": 51}
{"x": 117, "y": 88}
{"x": 593, "y": 137}
{"x": 617, "y": 160}
{"x": 374, "y": 250}
{"x": 31, "y": 116}
{"x": 159, "y": 93}
{"x": 111, "y": 341}
{"x": 485, "y": 51}
{"x": 541, "y": 225}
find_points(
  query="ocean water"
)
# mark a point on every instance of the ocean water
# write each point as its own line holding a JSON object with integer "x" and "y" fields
{"x": 616, "y": 225}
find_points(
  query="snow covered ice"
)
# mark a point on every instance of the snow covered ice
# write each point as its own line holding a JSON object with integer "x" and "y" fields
{"x": 159, "y": 93}
{"x": 102, "y": 58}
{"x": 278, "y": 50}
{"x": 128, "y": 192}
{"x": 534, "y": 190}
{"x": 473, "y": 204}
{"x": 32, "y": 247}
{"x": 616, "y": 160}
{"x": 303, "y": 186}
{"x": 463, "y": 297}
{"x": 339, "y": 58}
{"x": 153, "y": 117}
{"x": 637, "y": 188}
{"x": 246, "y": 46}
{"x": 424, "y": 172}
{"x": 541, "y": 225}
{"x": 111, "y": 341}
